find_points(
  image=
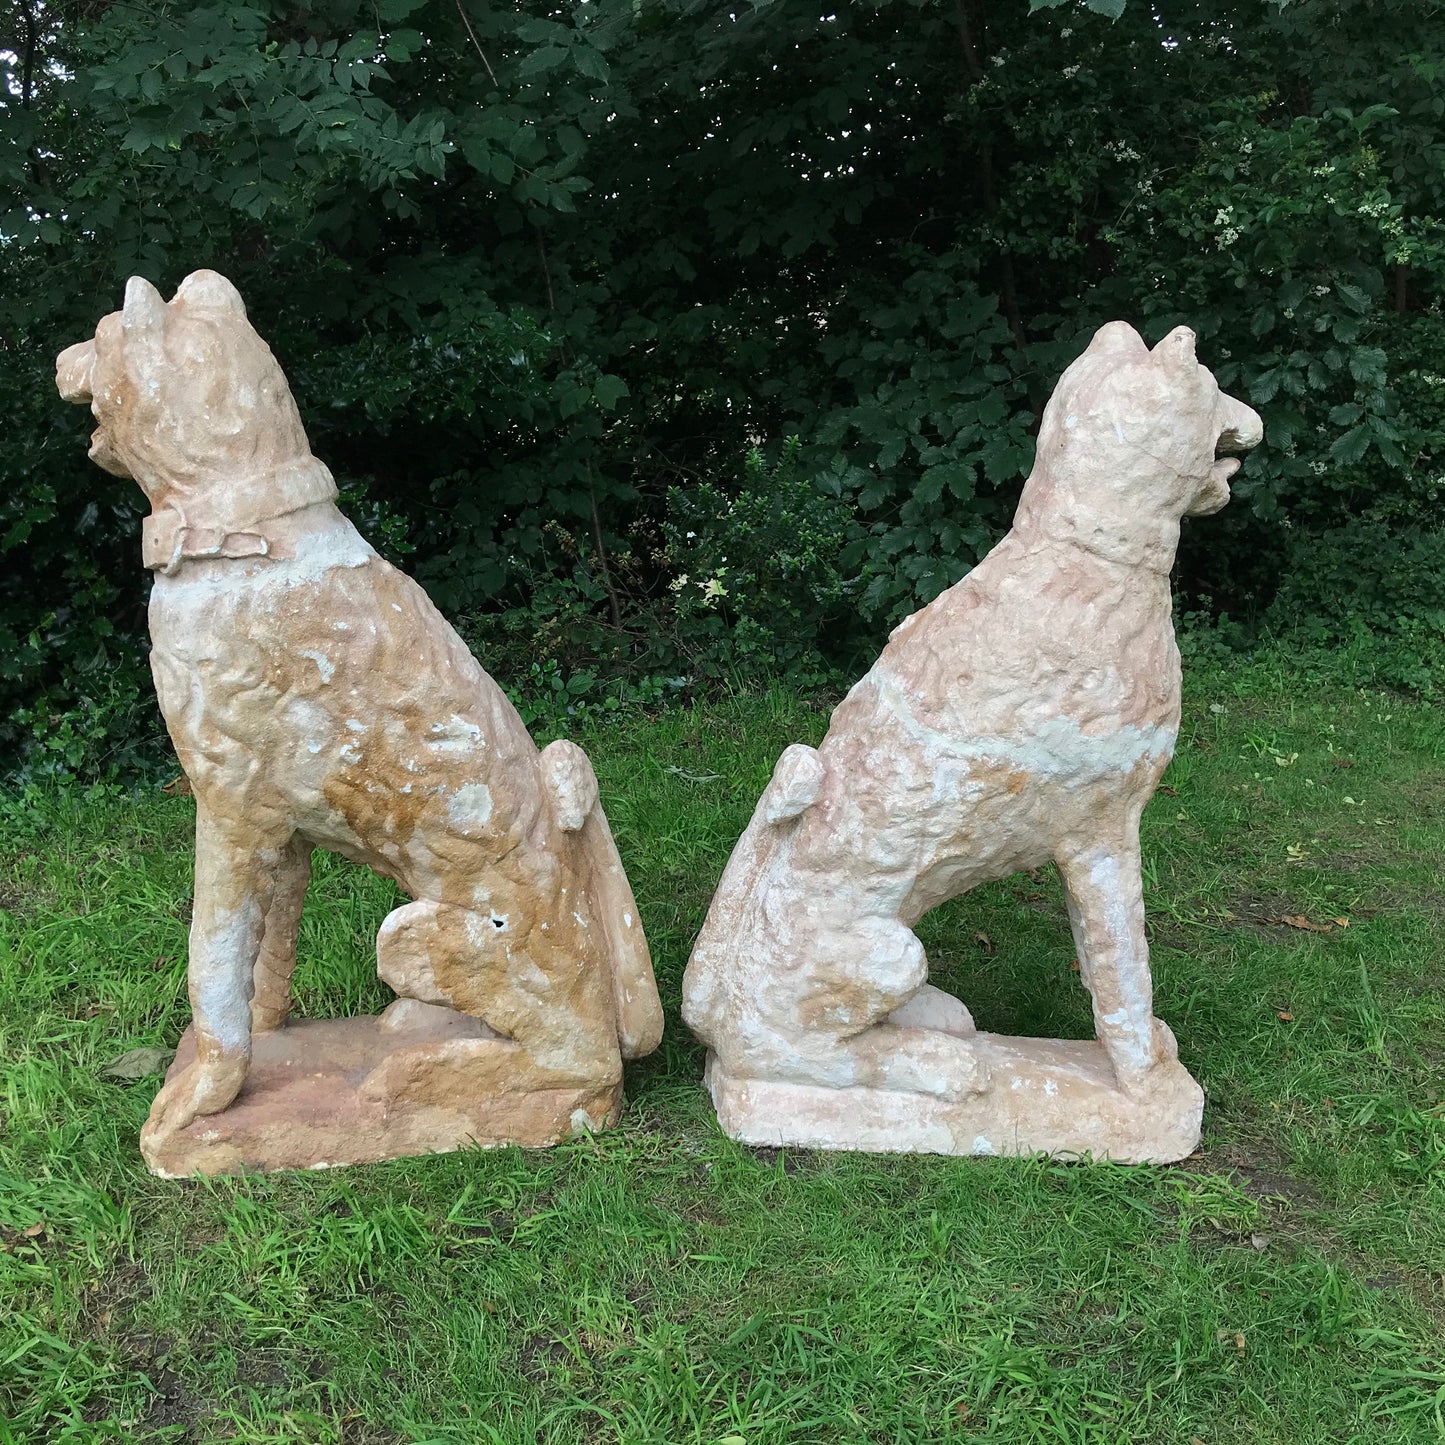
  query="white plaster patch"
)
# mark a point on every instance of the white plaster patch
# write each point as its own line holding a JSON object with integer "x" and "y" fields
{"x": 470, "y": 808}
{"x": 982, "y": 1146}
{"x": 1055, "y": 747}
{"x": 324, "y": 665}
{"x": 456, "y": 735}
{"x": 355, "y": 725}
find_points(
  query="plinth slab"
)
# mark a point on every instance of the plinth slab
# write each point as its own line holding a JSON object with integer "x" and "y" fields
{"x": 1043, "y": 1096}
{"x": 417, "y": 1079}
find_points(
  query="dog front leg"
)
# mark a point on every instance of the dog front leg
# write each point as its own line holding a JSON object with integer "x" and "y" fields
{"x": 1104, "y": 889}
{"x": 271, "y": 1002}
{"x": 235, "y": 877}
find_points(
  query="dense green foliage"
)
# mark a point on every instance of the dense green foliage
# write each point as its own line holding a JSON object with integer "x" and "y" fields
{"x": 544, "y": 276}
{"x": 661, "y": 1285}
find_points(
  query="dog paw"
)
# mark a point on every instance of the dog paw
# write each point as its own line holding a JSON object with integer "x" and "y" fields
{"x": 1163, "y": 1052}
{"x": 201, "y": 1088}
{"x": 929, "y": 1061}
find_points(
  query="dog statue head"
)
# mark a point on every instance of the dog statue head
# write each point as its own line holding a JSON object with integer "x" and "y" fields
{"x": 190, "y": 403}
{"x": 1131, "y": 441}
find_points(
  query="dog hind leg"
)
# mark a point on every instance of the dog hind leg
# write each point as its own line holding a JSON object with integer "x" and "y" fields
{"x": 864, "y": 974}
{"x": 562, "y": 1018}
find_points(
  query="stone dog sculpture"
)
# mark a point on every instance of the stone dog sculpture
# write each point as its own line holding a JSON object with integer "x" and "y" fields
{"x": 317, "y": 699}
{"x": 1027, "y": 714}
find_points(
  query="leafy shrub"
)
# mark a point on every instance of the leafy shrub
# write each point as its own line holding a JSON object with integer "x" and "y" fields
{"x": 1374, "y": 592}
{"x": 756, "y": 577}
{"x": 537, "y": 272}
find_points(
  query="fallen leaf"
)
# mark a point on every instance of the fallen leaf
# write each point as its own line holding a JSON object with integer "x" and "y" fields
{"x": 1074, "y": 966}
{"x": 138, "y": 1064}
{"x": 179, "y": 787}
{"x": 1298, "y": 920}
{"x": 1168, "y": 791}
{"x": 34, "y": 1231}
{"x": 1259, "y": 1241}
{"x": 1340, "y": 922}
{"x": 961, "y": 1409}
{"x": 987, "y": 942}
{"x": 694, "y": 777}
{"x": 1342, "y": 762}
{"x": 1195, "y": 1440}
{"x": 1284, "y": 1016}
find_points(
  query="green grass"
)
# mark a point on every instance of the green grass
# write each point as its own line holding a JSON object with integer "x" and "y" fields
{"x": 663, "y": 1284}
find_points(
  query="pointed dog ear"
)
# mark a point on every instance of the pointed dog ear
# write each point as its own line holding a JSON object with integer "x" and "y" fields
{"x": 210, "y": 289}
{"x": 144, "y": 309}
{"x": 1117, "y": 338}
{"x": 1176, "y": 351}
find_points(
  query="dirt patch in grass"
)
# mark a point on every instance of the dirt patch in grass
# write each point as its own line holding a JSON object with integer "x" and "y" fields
{"x": 1280, "y": 917}
{"x": 173, "y": 1404}
{"x": 794, "y": 1161}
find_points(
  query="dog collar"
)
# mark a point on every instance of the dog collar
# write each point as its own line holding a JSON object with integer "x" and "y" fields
{"x": 168, "y": 538}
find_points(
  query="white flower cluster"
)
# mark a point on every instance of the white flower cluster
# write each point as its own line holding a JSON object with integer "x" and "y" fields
{"x": 1229, "y": 233}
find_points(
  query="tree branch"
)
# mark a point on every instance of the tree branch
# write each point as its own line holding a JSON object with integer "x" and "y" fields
{"x": 476, "y": 42}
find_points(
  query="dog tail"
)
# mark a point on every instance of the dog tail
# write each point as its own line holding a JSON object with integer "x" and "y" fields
{"x": 796, "y": 783}
{"x": 573, "y": 785}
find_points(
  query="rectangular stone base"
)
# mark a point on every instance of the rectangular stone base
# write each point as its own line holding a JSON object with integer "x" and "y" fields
{"x": 327, "y": 1092}
{"x": 1044, "y": 1096}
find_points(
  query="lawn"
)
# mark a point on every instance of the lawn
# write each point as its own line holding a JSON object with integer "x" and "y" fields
{"x": 662, "y": 1284}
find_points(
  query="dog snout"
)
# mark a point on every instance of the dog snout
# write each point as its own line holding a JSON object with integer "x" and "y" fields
{"x": 1241, "y": 429}
{"x": 73, "y": 369}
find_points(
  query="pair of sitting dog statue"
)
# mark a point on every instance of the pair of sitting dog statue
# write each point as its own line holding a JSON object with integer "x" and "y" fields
{"x": 317, "y": 699}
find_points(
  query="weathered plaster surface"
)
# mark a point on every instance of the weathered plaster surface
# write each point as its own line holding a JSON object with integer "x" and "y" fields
{"x": 1025, "y": 715}
{"x": 316, "y": 698}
